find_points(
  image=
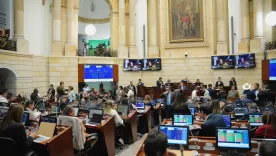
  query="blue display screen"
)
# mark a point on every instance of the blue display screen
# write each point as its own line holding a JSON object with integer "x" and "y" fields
{"x": 181, "y": 120}
{"x": 25, "y": 118}
{"x": 96, "y": 73}
{"x": 192, "y": 110}
{"x": 272, "y": 69}
{"x": 233, "y": 138}
{"x": 227, "y": 120}
{"x": 176, "y": 135}
{"x": 140, "y": 105}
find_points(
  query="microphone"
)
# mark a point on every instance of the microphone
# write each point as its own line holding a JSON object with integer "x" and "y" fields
{"x": 181, "y": 149}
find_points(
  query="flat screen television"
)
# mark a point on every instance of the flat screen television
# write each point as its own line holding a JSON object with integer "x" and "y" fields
{"x": 245, "y": 61}
{"x": 96, "y": 73}
{"x": 133, "y": 65}
{"x": 222, "y": 62}
{"x": 153, "y": 64}
{"x": 272, "y": 69}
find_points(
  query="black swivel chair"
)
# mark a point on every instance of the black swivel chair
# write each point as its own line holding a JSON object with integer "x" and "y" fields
{"x": 7, "y": 147}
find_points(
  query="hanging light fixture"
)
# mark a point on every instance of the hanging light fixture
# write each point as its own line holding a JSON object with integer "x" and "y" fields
{"x": 92, "y": 6}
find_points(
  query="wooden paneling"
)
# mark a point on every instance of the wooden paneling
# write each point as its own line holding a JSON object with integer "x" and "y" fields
{"x": 81, "y": 72}
{"x": 115, "y": 73}
{"x": 265, "y": 70}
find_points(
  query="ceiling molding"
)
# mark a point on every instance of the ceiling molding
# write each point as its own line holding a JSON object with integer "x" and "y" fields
{"x": 94, "y": 21}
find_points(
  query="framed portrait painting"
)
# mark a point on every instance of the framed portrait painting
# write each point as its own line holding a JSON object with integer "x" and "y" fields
{"x": 185, "y": 21}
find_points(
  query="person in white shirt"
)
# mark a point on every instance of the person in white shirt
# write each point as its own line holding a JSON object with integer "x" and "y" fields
{"x": 194, "y": 93}
{"x": 110, "y": 109}
{"x": 3, "y": 97}
{"x": 71, "y": 94}
{"x": 34, "y": 116}
{"x": 86, "y": 88}
{"x": 206, "y": 94}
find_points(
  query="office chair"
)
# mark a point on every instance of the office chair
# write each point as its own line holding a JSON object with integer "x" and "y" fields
{"x": 7, "y": 146}
{"x": 82, "y": 145}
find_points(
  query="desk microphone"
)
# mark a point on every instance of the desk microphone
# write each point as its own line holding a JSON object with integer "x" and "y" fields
{"x": 181, "y": 149}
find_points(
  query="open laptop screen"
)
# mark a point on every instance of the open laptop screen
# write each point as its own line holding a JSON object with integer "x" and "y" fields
{"x": 140, "y": 105}
{"x": 93, "y": 112}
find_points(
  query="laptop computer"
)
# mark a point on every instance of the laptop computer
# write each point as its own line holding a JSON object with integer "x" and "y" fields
{"x": 47, "y": 119}
{"x": 25, "y": 119}
{"x": 95, "y": 116}
{"x": 183, "y": 120}
{"x": 3, "y": 111}
{"x": 123, "y": 109}
{"x": 140, "y": 106}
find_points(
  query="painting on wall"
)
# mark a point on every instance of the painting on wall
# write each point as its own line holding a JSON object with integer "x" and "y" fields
{"x": 185, "y": 21}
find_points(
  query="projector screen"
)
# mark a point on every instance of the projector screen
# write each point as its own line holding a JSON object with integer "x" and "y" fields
{"x": 272, "y": 69}
{"x": 98, "y": 73}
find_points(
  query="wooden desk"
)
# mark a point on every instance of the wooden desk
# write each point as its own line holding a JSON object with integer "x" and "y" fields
{"x": 106, "y": 134}
{"x": 131, "y": 125}
{"x": 63, "y": 140}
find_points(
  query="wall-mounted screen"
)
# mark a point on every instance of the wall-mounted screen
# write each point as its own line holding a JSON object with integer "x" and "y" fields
{"x": 245, "y": 61}
{"x": 132, "y": 65}
{"x": 96, "y": 73}
{"x": 272, "y": 69}
{"x": 152, "y": 64}
{"x": 222, "y": 62}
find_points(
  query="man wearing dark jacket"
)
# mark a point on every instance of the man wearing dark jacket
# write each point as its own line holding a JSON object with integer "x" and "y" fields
{"x": 168, "y": 100}
{"x": 212, "y": 121}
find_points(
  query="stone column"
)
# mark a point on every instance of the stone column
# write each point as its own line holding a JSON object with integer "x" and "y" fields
{"x": 122, "y": 49}
{"x": 257, "y": 43}
{"x": 222, "y": 31}
{"x": 70, "y": 49}
{"x": 56, "y": 44}
{"x": 133, "y": 51}
{"x": 22, "y": 45}
{"x": 152, "y": 25}
{"x": 245, "y": 27}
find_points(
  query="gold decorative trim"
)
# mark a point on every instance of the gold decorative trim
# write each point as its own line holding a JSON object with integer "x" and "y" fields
{"x": 94, "y": 21}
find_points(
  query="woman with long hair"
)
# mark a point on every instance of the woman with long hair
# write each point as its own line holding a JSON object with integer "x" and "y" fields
{"x": 179, "y": 105}
{"x": 268, "y": 129}
{"x": 147, "y": 99}
{"x": 216, "y": 107}
{"x": 110, "y": 110}
{"x": 233, "y": 82}
{"x": 13, "y": 128}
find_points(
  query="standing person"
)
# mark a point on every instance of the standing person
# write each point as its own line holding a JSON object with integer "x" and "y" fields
{"x": 119, "y": 93}
{"x": 233, "y": 82}
{"x": 84, "y": 50}
{"x": 181, "y": 86}
{"x": 101, "y": 87}
{"x": 3, "y": 96}
{"x": 168, "y": 100}
{"x": 212, "y": 93}
{"x": 250, "y": 95}
{"x": 219, "y": 83}
{"x": 266, "y": 95}
{"x": 186, "y": 80}
{"x": 159, "y": 83}
{"x": 12, "y": 127}
{"x": 133, "y": 88}
{"x": 35, "y": 96}
{"x": 71, "y": 94}
{"x": 140, "y": 83}
{"x": 51, "y": 92}
{"x": 256, "y": 91}
{"x": 60, "y": 91}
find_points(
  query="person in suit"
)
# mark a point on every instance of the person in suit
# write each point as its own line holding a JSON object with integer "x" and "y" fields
{"x": 233, "y": 82}
{"x": 256, "y": 91}
{"x": 212, "y": 93}
{"x": 133, "y": 88}
{"x": 140, "y": 83}
{"x": 13, "y": 128}
{"x": 60, "y": 91}
{"x": 266, "y": 95}
{"x": 222, "y": 94}
{"x": 159, "y": 83}
{"x": 181, "y": 86}
{"x": 233, "y": 93}
{"x": 168, "y": 100}
{"x": 186, "y": 80}
{"x": 250, "y": 95}
{"x": 219, "y": 83}
{"x": 51, "y": 92}
{"x": 197, "y": 83}
{"x": 35, "y": 96}
{"x": 212, "y": 121}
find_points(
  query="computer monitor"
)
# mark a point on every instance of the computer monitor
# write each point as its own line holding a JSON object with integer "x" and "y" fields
{"x": 192, "y": 110}
{"x": 48, "y": 119}
{"x": 123, "y": 109}
{"x": 140, "y": 105}
{"x": 227, "y": 120}
{"x": 76, "y": 111}
{"x": 239, "y": 111}
{"x": 3, "y": 111}
{"x": 180, "y": 119}
{"x": 233, "y": 138}
{"x": 268, "y": 109}
{"x": 96, "y": 112}
{"x": 255, "y": 120}
{"x": 177, "y": 135}
{"x": 25, "y": 119}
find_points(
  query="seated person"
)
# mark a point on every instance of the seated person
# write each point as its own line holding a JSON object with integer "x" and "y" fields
{"x": 222, "y": 104}
{"x": 267, "y": 148}
{"x": 179, "y": 105}
{"x": 227, "y": 109}
{"x": 197, "y": 83}
{"x": 156, "y": 144}
{"x": 233, "y": 93}
{"x": 212, "y": 121}
{"x": 148, "y": 102}
{"x": 195, "y": 94}
{"x": 111, "y": 111}
{"x": 252, "y": 109}
{"x": 268, "y": 130}
{"x": 90, "y": 104}
{"x": 86, "y": 88}
{"x": 222, "y": 94}
{"x": 244, "y": 99}
{"x": 70, "y": 111}
{"x": 34, "y": 116}
{"x": 13, "y": 128}
{"x": 3, "y": 96}
{"x": 216, "y": 107}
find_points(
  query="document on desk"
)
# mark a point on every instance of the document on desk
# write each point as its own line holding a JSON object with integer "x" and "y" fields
{"x": 41, "y": 138}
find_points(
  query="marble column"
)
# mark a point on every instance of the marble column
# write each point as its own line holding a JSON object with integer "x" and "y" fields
{"x": 133, "y": 51}
{"x": 22, "y": 45}
{"x": 222, "y": 31}
{"x": 70, "y": 49}
{"x": 152, "y": 25}
{"x": 56, "y": 43}
{"x": 122, "y": 49}
{"x": 257, "y": 43}
{"x": 244, "y": 45}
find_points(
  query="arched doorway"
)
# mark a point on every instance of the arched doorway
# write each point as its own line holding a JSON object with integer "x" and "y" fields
{"x": 8, "y": 79}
